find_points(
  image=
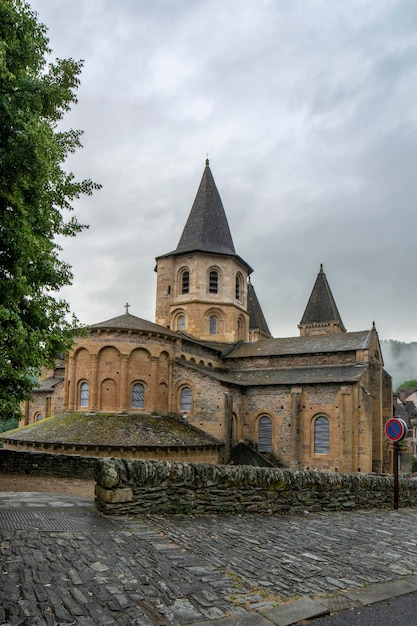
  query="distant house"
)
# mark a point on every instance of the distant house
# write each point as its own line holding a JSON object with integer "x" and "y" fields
{"x": 316, "y": 401}
{"x": 405, "y": 407}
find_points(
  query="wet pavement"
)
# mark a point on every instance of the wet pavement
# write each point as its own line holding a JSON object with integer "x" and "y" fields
{"x": 63, "y": 563}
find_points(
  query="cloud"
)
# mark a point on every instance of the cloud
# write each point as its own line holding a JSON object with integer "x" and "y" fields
{"x": 307, "y": 111}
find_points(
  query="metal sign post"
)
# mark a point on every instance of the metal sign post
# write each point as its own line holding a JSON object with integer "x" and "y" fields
{"x": 396, "y": 430}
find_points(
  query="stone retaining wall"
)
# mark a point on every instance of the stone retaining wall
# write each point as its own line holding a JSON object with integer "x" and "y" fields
{"x": 135, "y": 487}
{"x": 45, "y": 464}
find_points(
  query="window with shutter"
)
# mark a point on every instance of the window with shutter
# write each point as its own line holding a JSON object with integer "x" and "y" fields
{"x": 321, "y": 435}
{"x": 186, "y": 399}
{"x": 265, "y": 434}
{"x": 138, "y": 396}
{"x": 84, "y": 394}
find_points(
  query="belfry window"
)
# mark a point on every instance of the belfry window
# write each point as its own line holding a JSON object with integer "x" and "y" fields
{"x": 186, "y": 400}
{"x": 138, "y": 396}
{"x": 321, "y": 435}
{"x": 238, "y": 287}
{"x": 213, "y": 282}
{"x": 84, "y": 394}
{"x": 185, "y": 282}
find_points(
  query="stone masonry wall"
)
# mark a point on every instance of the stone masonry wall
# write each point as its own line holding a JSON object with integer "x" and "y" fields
{"x": 137, "y": 487}
{"x": 45, "y": 464}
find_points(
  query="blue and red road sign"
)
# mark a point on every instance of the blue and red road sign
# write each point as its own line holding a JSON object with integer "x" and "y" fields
{"x": 395, "y": 429}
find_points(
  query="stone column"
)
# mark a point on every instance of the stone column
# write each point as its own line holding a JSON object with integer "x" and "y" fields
{"x": 94, "y": 383}
{"x": 124, "y": 400}
{"x": 295, "y": 427}
{"x": 153, "y": 385}
{"x": 71, "y": 389}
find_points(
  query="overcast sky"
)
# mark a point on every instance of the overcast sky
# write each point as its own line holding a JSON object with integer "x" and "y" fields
{"x": 308, "y": 111}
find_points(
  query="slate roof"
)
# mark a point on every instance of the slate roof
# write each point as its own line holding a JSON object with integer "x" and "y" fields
{"x": 48, "y": 384}
{"x": 289, "y": 376}
{"x": 207, "y": 228}
{"x": 321, "y": 307}
{"x": 114, "y": 430}
{"x": 256, "y": 316}
{"x": 311, "y": 344}
{"x": 131, "y": 322}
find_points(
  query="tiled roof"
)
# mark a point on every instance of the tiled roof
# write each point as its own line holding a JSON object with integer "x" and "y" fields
{"x": 311, "y": 344}
{"x": 321, "y": 307}
{"x": 282, "y": 375}
{"x": 48, "y": 384}
{"x": 256, "y": 316}
{"x": 127, "y": 430}
{"x": 291, "y": 375}
{"x": 131, "y": 322}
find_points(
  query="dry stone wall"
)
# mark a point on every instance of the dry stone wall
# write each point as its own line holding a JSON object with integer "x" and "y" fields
{"x": 138, "y": 487}
{"x": 45, "y": 464}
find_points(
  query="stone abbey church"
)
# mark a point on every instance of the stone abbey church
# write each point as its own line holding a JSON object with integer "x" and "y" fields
{"x": 210, "y": 365}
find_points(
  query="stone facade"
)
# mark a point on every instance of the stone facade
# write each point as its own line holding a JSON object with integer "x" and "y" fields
{"x": 315, "y": 402}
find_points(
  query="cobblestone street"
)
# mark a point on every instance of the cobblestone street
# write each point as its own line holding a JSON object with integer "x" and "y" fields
{"x": 64, "y": 564}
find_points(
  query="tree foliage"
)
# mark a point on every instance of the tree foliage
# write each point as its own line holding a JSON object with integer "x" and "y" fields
{"x": 407, "y": 384}
{"x": 35, "y": 195}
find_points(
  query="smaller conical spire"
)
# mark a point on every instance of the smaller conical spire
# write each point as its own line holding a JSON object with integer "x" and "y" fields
{"x": 257, "y": 321}
{"x": 321, "y": 310}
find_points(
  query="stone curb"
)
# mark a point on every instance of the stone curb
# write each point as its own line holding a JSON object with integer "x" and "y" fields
{"x": 307, "y": 608}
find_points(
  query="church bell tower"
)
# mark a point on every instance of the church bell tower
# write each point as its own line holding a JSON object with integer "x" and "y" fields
{"x": 202, "y": 286}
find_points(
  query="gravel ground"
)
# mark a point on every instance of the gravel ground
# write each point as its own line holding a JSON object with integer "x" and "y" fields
{"x": 23, "y": 482}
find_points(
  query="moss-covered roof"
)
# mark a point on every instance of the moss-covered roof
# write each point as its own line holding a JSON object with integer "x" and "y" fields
{"x": 112, "y": 430}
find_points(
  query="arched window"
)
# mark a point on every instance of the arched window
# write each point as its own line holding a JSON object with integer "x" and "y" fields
{"x": 213, "y": 281}
{"x": 181, "y": 322}
{"x": 186, "y": 399}
{"x": 265, "y": 434}
{"x": 321, "y": 435}
{"x": 185, "y": 281}
{"x": 239, "y": 290}
{"x": 138, "y": 396}
{"x": 38, "y": 417}
{"x": 213, "y": 325}
{"x": 84, "y": 394}
{"x": 240, "y": 328}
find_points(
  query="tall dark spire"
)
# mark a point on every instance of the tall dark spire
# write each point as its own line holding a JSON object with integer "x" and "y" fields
{"x": 207, "y": 229}
{"x": 321, "y": 309}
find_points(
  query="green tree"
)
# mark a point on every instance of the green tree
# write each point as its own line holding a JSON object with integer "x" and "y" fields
{"x": 407, "y": 384}
{"x": 35, "y": 195}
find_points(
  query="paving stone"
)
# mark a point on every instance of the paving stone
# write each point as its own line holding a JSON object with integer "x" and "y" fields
{"x": 293, "y": 612}
{"x": 186, "y": 570}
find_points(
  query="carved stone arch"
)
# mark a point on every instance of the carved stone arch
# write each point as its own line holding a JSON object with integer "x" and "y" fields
{"x": 109, "y": 395}
{"x": 82, "y": 360}
{"x": 239, "y": 287}
{"x": 184, "y": 397}
{"x": 320, "y": 431}
{"x": 241, "y": 328}
{"x": 139, "y": 354}
{"x": 179, "y": 320}
{"x": 138, "y": 394}
{"x": 214, "y": 321}
{"x": 163, "y": 397}
{"x": 83, "y": 393}
{"x": 183, "y": 280}
{"x": 214, "y": 280}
